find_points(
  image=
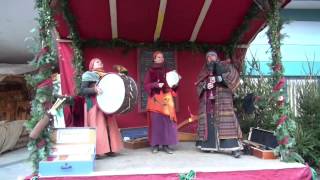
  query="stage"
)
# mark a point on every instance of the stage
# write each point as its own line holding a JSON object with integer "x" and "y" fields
{"x": 142, "y": 164}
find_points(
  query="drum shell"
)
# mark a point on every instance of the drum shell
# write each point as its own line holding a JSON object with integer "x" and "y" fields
{"x": 130, "y": 96}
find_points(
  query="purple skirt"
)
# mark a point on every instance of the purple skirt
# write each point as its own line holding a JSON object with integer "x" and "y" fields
{"x": 163, "y": 130}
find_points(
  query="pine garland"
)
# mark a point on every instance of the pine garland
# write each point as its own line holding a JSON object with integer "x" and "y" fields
{"x": 45, "y": 60}
{"x": 76, "y": 42}
{"x": 158, "y": 45}
{"x": 283, "y": 117}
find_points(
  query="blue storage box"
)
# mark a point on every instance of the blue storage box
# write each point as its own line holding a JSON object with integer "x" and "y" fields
{"x": 134, "y": 138}
{"x": 72, "y": 153}
{"x": 134, "y": 133}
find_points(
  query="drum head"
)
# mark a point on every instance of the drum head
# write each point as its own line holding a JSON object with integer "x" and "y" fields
{"x": 172, "y": 78}
{"x": 113, "y": 93}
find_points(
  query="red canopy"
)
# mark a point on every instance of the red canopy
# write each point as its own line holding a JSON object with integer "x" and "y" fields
{"x": 203, "y": 21}
{"x": 136, "y": 20}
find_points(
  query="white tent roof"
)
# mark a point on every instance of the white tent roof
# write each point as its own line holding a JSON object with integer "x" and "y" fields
{"x": 15, "y": 69}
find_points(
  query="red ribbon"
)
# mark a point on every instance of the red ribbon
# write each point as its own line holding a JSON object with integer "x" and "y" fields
{"x": 282, "y": 120}
{"x": 280, "y": 84}
{"x": 41, "y": 143}
{"x": 284, "y": 141}
{"x": 277, "y": 67}
{"x": 42, "y": 52}
{"x": 45, "y": 83}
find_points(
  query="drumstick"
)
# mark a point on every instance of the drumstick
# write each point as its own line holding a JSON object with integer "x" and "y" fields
{"x": 58, "y": 102}
{"x": 55, "y": 103}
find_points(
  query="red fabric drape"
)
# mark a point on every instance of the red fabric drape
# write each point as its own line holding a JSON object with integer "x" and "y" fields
{"x": 67, "y": 72}
{"x": 66, "y": 68}
{"x": 288, "y": 174}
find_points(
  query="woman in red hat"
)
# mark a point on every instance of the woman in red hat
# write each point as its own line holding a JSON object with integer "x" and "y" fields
{"x": 108, "y": 135}
{"x": 160, "y": 106}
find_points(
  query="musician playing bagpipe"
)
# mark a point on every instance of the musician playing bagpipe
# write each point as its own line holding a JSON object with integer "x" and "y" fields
{"x": 108, "y": 135}
{"x": 160, "y": 106}
{"x": 218, "y": 127}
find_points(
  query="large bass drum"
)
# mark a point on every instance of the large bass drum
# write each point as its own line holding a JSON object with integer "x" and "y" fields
{"x": 119, "y": 93}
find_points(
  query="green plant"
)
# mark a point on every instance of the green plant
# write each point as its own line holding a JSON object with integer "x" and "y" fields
{"x": 282, "y": 116}
{"x": 308, "y": 133}
{"x": 259, "y": 85}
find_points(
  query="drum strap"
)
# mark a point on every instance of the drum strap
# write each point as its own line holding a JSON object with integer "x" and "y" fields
{"x": 89, "y": 103}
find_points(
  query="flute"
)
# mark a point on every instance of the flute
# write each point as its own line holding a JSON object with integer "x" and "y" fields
{"x": 197, "y": 82}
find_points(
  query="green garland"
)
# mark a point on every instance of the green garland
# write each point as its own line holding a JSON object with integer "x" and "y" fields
{"x": 44, "y": 61}
{"x": 76, "y": 43}
{"x": 283, "y": 117}
{"x": 191, "y": 175}
{"x": 158, "y": 45}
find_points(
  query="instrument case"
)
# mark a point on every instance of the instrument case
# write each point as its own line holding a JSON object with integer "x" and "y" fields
{"x": 261, "y": 143}
{"x": 135, "y": 138}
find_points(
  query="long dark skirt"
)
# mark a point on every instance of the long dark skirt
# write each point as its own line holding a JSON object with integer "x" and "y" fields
{"x": 215, "y": 144}
{"x": 163, "y": 130}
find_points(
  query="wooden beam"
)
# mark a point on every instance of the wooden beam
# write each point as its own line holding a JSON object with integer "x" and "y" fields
{"x": 243, "y": 46}
{"x": 113, "y": 16}
{"x": 161, "y": 12}
{"x": 201, "y": 17}
{"x": 64, "y": 40}
{"x": 56, "y": 35}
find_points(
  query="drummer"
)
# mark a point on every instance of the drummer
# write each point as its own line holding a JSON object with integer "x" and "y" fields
{"x": 108, "y": 136}
{"x": 160, "y": 106}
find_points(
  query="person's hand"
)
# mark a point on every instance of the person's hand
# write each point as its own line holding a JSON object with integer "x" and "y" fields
{"x": 160, "y": 85}
{"x": 210, "y": 85}
{"x": 218, "y": 78}
{"x": 98, "y": 90}
{"x": 220, "y": 69}
{"x": 174, "y": 86}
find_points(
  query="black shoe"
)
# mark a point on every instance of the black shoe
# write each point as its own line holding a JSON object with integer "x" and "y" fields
{"x": 97, "y": 157}
{"x": 167, "y": 149}
{"x": 155, "y": 149}
{"x": 205, "y": 151}
{"x": 236, "y": 153}
{"x": 111, "y": 154}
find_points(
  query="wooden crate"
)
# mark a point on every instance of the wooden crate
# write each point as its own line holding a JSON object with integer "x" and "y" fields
{"x": 136, "y": 144}
{"x": 263, "y": 154}
{"x": 183, "y": 136}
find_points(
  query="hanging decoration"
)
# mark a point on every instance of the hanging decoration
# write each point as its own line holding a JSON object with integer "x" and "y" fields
{"x": 78, "y": 44}
{"x": 45, "y": 62}
{"x": 285, "y": 125}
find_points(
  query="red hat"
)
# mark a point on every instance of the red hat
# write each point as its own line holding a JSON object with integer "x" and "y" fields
{"x": 92, "y": 62}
